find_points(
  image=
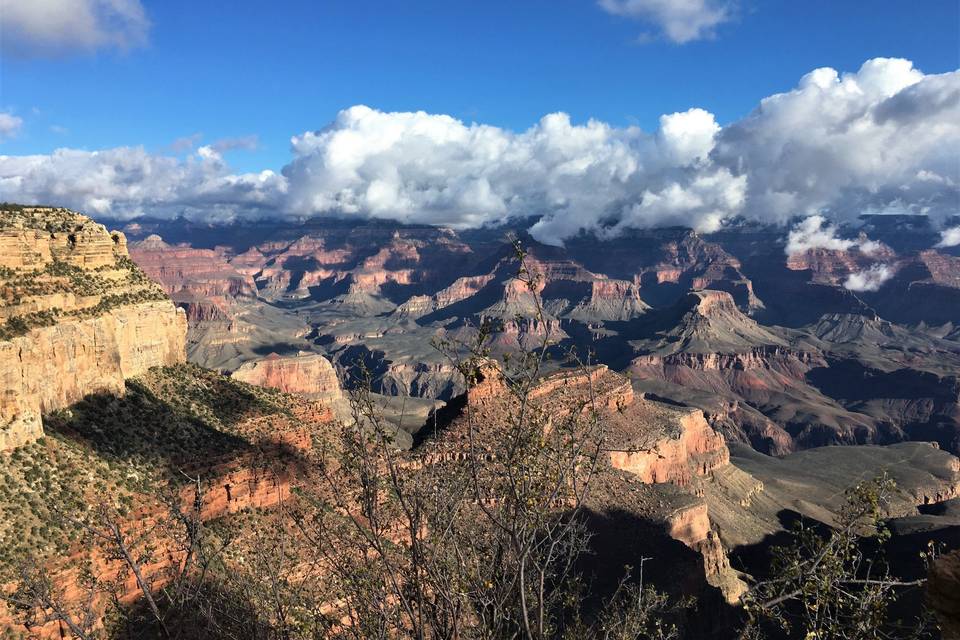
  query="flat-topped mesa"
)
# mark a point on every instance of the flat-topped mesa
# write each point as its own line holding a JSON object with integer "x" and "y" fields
{"x": 77, "y": 316}
{"x": 709, "y": 302}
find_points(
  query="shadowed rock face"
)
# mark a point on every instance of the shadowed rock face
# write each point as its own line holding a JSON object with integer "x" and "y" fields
{"x": 943, "y": 593}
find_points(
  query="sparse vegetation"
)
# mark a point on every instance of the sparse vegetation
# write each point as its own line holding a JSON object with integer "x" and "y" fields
{"x": 41, "y": 218}
{"x": 20, "y": 287}
{"x": 123, "y": 447}
{"x": 836, "y": 583}
{"x": 488, "y": 542}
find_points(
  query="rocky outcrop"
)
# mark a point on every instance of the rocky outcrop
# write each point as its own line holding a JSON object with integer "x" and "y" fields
{"x": 703, "y": 322}
{"x": 417, "y": 379}
{"x": 668, "y": 451}
{"x": 461, "y": 289}
{"x": 33, "y": 237}
{"x": 666, "y": 263}
{"x": 305, "y": 373}
{"x": 692, "y": 526}
{"x": 50, "y": 368}
{"x": 696, "y": 450}
{"x": 80, "y": 319}
{"x": 833, "y": 266}
{"x": 610, "y": 300}
{"x": 786, "y": 361}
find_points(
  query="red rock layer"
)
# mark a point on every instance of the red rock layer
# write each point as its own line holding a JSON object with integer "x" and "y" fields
{"x": 259, "y": 479}
{"x": 304, "y": 373}
{"x": 832, "y": 266}
{"x": 187, "y": 273}
{"x": 697, "y": 451}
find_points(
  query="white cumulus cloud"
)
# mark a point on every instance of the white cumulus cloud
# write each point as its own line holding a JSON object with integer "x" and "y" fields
{"x": 426, "y": 168}
{"x": 845, "y": 144}
{"x": 688, "y": 136}
{"x": 815, "y": 233}
{"x": 128, "y": 181}
{"x": 949, "y": 237}
{"x": 882, "y": 139}
{"x": 10, "y": 125}
{"x": 869, "y": 279}
{"x": 680, "y": 21}
{"x": 53, "y": 27}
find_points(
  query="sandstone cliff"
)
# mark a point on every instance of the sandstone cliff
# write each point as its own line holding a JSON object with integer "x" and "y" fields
{"x": 79, "y": 317}
{"x": 306, "y": 373}
{"x": 187, "y": 273}
{"x": 656, "y": 457}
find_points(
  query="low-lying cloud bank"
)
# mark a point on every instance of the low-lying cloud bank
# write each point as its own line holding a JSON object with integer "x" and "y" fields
{"x": 883, "y": 139}
{"x": 949, "y": 237}
{"x": 869, "y": 279}
{"x": 816, "y": 232}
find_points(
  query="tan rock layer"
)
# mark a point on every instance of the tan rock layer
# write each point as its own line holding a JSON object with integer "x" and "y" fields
{"x": 50, "y": 368}
{"x": 306, "y": 373}
{"x": 696, "y": 452}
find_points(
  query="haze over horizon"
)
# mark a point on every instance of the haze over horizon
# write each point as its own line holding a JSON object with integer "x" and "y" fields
{"x": 649, "y": 114}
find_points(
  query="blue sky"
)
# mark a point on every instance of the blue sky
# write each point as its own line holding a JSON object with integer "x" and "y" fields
{"x": 586, "y": 115}
{"x": 272, "y": 70}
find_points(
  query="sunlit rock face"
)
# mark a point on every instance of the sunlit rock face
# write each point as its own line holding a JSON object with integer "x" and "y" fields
{"x": 305, "y": 373}
{"x": 79, "y": 317}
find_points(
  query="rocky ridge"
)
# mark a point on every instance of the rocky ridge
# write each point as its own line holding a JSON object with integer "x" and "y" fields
{"x": 79, "y": 317}
{"x": 667, "y": 450}
{"x": 308, "y": 374}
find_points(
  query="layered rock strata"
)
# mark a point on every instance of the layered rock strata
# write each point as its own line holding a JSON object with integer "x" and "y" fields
{"x": 643, "y": 442}
{"x": 304, "y": 373}
{"x": 79, "y": 317}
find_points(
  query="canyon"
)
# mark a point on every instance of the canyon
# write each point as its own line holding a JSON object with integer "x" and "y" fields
{"x": 759, "y": 340}
{"x": 720, "y": 416}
